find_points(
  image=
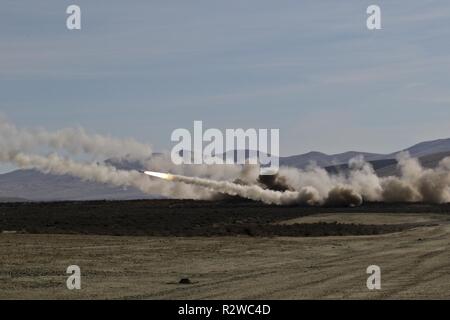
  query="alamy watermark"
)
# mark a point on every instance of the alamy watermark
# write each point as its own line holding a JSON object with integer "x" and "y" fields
{"x": 74, "y": 280}
{"x": 374, "y": 280}
{"x": 235, "y": 146}
{"x": 373, "y": 21}
{"x": 73, "y": 21}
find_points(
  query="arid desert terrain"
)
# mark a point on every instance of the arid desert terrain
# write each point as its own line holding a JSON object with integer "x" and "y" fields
{"x": 141, "y": 250}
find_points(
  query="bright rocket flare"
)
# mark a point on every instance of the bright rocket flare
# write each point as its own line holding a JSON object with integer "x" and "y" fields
{"x": 160, "y": 175}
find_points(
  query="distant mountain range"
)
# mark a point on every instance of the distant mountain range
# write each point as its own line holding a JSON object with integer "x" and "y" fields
{"x": 31, "y": 185}
{"x": 419, "y": 150}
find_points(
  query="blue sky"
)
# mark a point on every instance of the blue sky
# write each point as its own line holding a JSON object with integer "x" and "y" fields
{"x": 311, "y": 68}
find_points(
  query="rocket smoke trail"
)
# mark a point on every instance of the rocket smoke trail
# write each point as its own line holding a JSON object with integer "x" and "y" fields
{"x": 254, "y": 192}
{"x": 311, "y": 186}
{"x": 101, "y": 173}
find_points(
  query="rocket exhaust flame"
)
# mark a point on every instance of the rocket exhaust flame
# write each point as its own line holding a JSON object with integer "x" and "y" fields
{"x": 160, "y": 175}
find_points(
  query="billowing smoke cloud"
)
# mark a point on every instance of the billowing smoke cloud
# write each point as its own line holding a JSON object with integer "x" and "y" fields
{"x": 417, "y": 183}
{"x": 75, "y": 141}
{"x": 315, "y": 186}
{"x": 311, "y": 186}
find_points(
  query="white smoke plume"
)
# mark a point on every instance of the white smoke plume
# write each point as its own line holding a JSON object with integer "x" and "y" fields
{"x": 102, "y": 173}
{"x": 75, "y": 141}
